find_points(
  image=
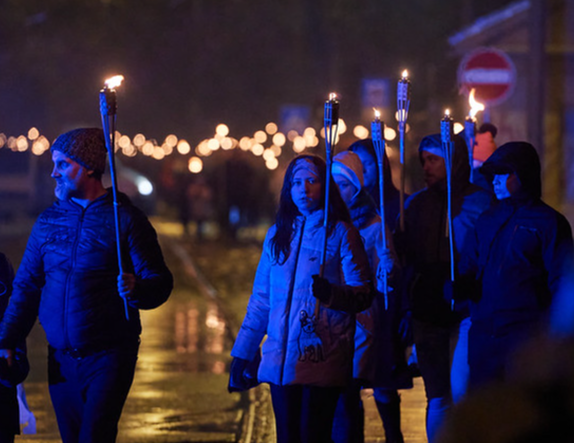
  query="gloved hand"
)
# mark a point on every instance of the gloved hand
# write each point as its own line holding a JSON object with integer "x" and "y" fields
{"x": 243, "y": 374}
{"x": 14, "y": 368}
{"x": 321, "y": 289}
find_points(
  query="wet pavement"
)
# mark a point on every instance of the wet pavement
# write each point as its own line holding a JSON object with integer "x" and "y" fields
{"x": 180, "y": 387}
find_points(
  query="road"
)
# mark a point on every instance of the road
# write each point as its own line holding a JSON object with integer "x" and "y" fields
{"x": 179, "y": 392}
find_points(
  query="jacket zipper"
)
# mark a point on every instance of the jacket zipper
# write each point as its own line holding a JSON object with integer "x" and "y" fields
{"x": 72, "y": 266}
{"x": 290, "y": 300}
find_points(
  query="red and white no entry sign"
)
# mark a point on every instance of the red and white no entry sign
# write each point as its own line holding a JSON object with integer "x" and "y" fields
{"x": 490, "y": 72}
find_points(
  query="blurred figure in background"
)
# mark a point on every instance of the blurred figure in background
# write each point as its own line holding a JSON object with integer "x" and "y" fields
{"x": 366, "y": 152}
{"x": 484, "y": 147}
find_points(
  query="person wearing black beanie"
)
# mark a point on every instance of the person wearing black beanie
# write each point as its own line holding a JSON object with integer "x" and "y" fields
{"x": 70, "y": 279}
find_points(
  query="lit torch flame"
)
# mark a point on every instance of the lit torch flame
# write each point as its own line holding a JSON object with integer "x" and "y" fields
{"x": 114, "y": 82}
{"x": 377, "y": 114}
{"x": 332, "y": 96}
{"x": 447, "y": 113}
{"x": 405, "y": 74}
{"x": 474, "y": 105}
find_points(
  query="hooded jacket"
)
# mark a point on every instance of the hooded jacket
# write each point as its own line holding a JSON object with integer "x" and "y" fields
{"x": 425, "y": 242}
{"x": 68, "y": 277}
{"x": 522, "y": 251}
{"x": 299, "y": 350}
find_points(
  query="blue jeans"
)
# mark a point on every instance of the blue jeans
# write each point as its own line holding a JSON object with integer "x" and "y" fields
{"x": 442, "y": 354}
{"x": 88, "y": 392}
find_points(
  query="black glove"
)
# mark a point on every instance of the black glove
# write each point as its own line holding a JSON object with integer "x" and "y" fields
{"x": 11, "y": 376}
{"x": 321, "y": 289}
{"x": 243, "y": 374}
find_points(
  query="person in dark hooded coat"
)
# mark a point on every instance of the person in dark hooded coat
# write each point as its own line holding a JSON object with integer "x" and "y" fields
{"x": 520, "y": 258}
{"x": 440, "y": 324}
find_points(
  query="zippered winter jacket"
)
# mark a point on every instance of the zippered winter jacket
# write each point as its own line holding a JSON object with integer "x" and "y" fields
{"x": 298, "y": 349}
{"x": 425, "y": 242}
{"x": 522, "y": 251}
{"x": 68, "y": 277}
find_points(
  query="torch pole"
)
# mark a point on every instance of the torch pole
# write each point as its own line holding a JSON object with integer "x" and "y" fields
{"x": 470, "y": 135}
{"x": 403, "y": 103}
{"x": 108, "y": 107}
{"x": 379, "y": 144}
{"x": 330, "y": 120}
{"x": 446, "y": 130}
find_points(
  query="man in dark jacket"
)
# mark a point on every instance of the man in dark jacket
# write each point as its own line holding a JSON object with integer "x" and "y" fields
{"x": 440, "y": 325}
{"x": 521, "y": 257}
{"x": 69, "y": 277}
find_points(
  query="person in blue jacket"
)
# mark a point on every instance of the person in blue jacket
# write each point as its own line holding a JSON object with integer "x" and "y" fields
{"x": 520, "y": 263}
{"x": 13, "y": 374}
{"x": 379, "y": 361}
{"x": 440, "y": 322}
{"x": 309, "y": 320}
{"x": 69, "y": 277}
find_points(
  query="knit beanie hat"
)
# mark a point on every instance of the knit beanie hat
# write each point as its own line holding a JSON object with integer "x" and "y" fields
{"x": 85, "y": 146}
{"x": 433, "y": 144}
{"x": 348, "y": 164}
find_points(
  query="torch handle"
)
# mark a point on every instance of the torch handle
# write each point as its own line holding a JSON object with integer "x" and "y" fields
{"x": 383, "y": 226}
{"x": 403, "y": 178}
{"x": 450, "y": 228}
{"x": 108, "y": 126}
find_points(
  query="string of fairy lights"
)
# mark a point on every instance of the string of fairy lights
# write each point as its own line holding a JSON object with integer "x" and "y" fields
{"x": 268, "y": 143}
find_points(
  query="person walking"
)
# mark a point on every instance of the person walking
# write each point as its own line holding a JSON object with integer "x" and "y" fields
{"x": 380, "y": 360}
{"x": 69, "y": 277}
{"x": 306, "y": 358}
{"x": 440, "y": 323}
{"x": 520, "y": 262}
{"x": 11, "y": 373}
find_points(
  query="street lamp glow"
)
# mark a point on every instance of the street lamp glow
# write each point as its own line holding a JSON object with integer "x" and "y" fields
{"x": 183, "y": 147}
{"x": 195, "y": 165}
{"x": 222, "y": 129}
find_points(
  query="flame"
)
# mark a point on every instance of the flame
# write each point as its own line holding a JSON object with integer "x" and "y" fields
{"x": 377, "y": 114}
{"x": 474, "y": 105}
{"x": 332, "y": 96}
{"x": 447, "y": 112}
{"x": 405, "y": 74}
{"x": 114, "y": 82}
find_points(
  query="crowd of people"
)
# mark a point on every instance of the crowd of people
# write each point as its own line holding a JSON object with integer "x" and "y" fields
{"x": 479, "y": 267}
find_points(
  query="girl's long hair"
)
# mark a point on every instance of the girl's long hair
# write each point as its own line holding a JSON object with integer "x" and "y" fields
{"x": 288, "y": 212}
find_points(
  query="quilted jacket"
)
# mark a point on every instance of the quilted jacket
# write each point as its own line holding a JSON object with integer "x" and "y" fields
{"x": 68, "y": 277}
{"x": 299, "y": 348}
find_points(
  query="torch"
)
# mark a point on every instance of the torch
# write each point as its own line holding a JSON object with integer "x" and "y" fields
{"x": 446, "y": 133}
{"x": 470, "y": 126}
{"x": 403, "y": 102}
{"x": 379, "y": 144}
{"x": 108, "y": 107}
{"x": 330, "y": 122}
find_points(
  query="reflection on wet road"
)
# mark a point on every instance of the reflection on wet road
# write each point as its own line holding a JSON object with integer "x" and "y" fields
{"x": 180, "y": 387}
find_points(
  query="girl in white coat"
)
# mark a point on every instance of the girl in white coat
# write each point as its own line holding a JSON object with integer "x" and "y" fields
{"x": 306, "y": 358}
